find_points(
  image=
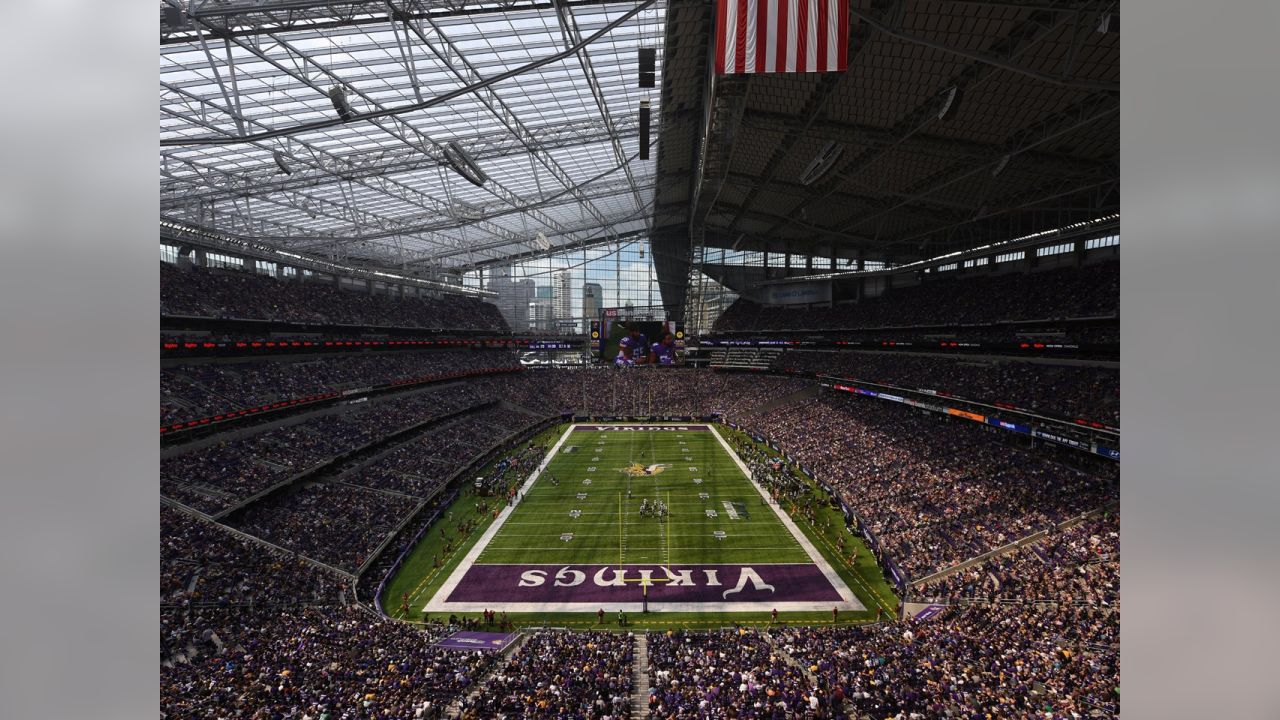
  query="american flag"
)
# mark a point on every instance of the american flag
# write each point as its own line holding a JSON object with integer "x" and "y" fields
{"x": 781, "y": 36}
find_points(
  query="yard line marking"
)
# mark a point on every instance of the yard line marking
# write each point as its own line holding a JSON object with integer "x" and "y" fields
{"x": 832, "y": 576}
{"x": 482, "y": 544}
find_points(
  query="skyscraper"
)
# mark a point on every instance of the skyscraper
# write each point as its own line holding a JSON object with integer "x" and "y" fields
{"x": 592, "y": 302}
{"x": 562, "y": 295}
{"x": 513, "y": 297}
{"x": 540, "y": 313}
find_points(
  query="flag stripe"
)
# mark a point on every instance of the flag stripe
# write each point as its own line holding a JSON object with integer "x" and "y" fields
{"x": 811, "y": 45}
{"x": 775, "y": 36}
{"x": 833, "y": 24}
{"x": 820, "y": 54}
{"x": 771, "y": 38}
{"x": 762, "y": 33}
{"x": 780, "y": 59}
{"x": 842, "y": 47}
{"x": 722, "y": 10}
{"x": 740, "y": 49}
{"x": 789, "y": 64}
{"x": 802, "y": 36}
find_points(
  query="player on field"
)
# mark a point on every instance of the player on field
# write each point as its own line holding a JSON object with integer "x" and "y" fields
{"x": 631, "y": 349}
{"x": 663, "y": 353}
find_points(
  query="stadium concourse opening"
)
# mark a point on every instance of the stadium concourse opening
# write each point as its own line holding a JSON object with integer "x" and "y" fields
{"x": 653, "y": 359}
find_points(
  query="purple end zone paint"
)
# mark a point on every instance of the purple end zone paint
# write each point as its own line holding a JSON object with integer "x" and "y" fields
{"x": 605, "y": 584}
{"x": 468, "y": 640}
{"x": 622, "y": 428}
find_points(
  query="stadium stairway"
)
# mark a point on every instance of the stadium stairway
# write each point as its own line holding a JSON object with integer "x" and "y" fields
{"x": 813, "y": 679}
{"x": 640, "y": 671}
{"x": 807, "y": 393}
{"x": 984, "y": 558}
{"x": 455, "y": 708}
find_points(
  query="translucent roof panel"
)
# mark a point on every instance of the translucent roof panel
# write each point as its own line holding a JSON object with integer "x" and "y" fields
{"x": 559, "y": 143}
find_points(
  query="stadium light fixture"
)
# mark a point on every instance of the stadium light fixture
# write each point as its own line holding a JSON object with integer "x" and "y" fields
{"x": 338, "y": 94}
{"x": 280, "y": 162}
{"x": 462, "y": 164}
{"x": 822, "y": 162}
{"x": 951, "y": 104}
{"x": 1000, "y": 166}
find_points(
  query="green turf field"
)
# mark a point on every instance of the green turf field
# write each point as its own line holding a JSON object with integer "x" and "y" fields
{"x": 607, "y": 529}
{"x": 605, "y": 476}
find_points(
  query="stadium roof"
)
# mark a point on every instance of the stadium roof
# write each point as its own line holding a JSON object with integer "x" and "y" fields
{"x": 1031, "y": 142}
{"x": 558, "y": 143}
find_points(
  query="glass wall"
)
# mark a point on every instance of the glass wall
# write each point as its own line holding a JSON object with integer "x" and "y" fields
{"x": 531, "y": 292}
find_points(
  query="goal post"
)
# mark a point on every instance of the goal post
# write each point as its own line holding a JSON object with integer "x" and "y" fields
{"x": 670, "y": 519}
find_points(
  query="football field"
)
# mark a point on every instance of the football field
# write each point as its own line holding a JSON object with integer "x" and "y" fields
{"x": 624, "y": 516}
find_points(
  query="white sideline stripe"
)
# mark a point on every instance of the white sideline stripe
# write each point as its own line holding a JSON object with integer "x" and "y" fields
{"x": 613, "y": 607}
{"x": 800, "y": 537}
{"x": 469, "y": 559}
{"x": 680, "y": 565}
{"x": 562, "y": 546}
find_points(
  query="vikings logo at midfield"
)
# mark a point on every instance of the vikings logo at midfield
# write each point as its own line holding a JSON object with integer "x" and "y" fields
{"x": 640, "y": 470}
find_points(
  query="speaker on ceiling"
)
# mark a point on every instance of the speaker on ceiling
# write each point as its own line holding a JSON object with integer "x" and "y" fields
{"x": 644, "y": 129}
{"x": 648, "y": 66}
{"x": 173, "y": 19}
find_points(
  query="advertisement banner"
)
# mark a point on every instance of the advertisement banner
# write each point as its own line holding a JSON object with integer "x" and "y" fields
{"x": 967, "y": 414}
{"x": 1060, "y": 439}
{"x": 926, "y": 406}
{"x": 800, "y": 293}
{"x": 1107, "y": 452}
{"x": 1016, "y": 427}
{"x": 898, "y": 578}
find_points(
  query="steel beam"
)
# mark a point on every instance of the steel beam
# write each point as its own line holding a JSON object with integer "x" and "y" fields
{"x": 573, "y": 36}
{"x": 1022, "y": 38}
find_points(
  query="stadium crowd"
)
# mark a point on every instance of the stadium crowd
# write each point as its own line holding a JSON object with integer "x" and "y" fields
{"x": 420, "y": 467}
{"x": 335, "y": 523}
{"x": 213, "y": 477}
{"x": 341, "y": 523}
{"x": 731, "y": 674}
{"x": 932, "y": 492}
{"x": 202, "y": 563}
{"x": 1019, "y": 662}
{"x": 641, "y": 391}
{"x": 1080, "y": 564}
{"x": 254, "y": 631}
{"x": 191, "y": 391}
{"x": 229, "y": 294}
{"x": 316, "y": 663}
{"x": 1071, "y": 391}
{"x": 1091, "y": 291}
{"x": 560, "y": 676}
